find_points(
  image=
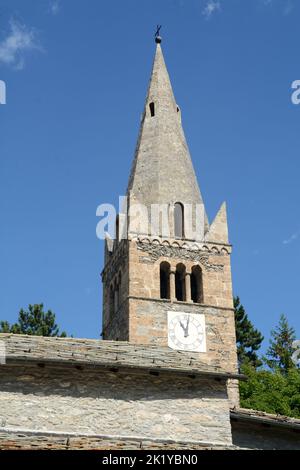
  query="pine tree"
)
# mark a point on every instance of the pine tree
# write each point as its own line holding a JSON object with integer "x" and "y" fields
{"x": 248, "y": 338}
{"x": 279, "y": 353}
{"x": 271, "y": 391}
{"x": 33, "y": 322}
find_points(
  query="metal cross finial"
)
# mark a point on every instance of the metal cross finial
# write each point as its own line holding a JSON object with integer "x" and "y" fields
{"x": 158, "y": 30}
{"x": 157, "y": 34}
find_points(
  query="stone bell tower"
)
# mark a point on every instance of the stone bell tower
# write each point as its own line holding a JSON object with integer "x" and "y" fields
{"x": 179, "y": 265}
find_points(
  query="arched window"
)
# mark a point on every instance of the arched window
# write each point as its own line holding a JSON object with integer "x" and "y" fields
{"x": 180, "y": 282}
{"x": 164, "y": 280}
{"x": 196, "y": 285}
{"x": 178, "y": 220}
{"x": 152, "y": 109}
{"x": 111, "y": 301}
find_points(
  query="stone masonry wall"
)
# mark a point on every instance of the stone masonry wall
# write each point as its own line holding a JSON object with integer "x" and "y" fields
{"x": 142, "y": 316}
{"x": 114, "y": 404}
{"x": 115, "y": 324}
{"x": 24, "y": 440}
{"x": 145, "y": 257}
{"x": 148, "y": 324}
{"x": 148, "y": 313}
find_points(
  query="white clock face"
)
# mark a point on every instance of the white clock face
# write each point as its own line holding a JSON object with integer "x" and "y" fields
{"x": 186, "y": 331}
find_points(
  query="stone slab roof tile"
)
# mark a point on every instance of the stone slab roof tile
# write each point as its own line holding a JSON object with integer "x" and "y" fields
{"x": 107, "y": 354}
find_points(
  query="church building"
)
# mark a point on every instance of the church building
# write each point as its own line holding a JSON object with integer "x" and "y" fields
{"x": 165, "y": 375}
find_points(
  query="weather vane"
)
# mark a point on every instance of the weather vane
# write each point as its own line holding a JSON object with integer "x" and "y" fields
{"x": 157, "y": 34}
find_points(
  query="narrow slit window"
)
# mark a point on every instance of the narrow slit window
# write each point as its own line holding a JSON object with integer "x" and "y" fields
{"x": 178, "y": 220}
{"x": 152, "y": 109}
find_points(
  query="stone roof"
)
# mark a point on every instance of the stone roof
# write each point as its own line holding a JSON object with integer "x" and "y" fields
{"x": 261, "y": 417}
{"x": 22, "y": 349}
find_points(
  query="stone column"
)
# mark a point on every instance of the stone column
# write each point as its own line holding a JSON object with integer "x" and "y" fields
{"x": 188, "y": 297}
{"x": 172, "y": 286}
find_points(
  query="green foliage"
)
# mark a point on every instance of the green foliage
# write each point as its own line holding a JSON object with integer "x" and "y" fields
{"x": 276, "y": 389}
{"x": 279, "y": 354}
{"x": 248, "y": 338}
{"x": 33, "y": 322}
{"x": 271, "y": 391}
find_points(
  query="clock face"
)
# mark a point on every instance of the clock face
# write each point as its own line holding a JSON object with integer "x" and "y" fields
{"x": 186, "y": 331}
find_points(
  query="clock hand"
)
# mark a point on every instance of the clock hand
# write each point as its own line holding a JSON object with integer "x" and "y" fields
{"x": 186, "y": 330}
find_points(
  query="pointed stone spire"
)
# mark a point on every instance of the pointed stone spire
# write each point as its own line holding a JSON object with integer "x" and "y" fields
{"x": 218, "y": 231}
{"x": 162, "y": 170}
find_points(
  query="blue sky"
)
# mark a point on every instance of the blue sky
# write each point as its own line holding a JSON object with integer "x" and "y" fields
{"x": 76, "y": 74}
